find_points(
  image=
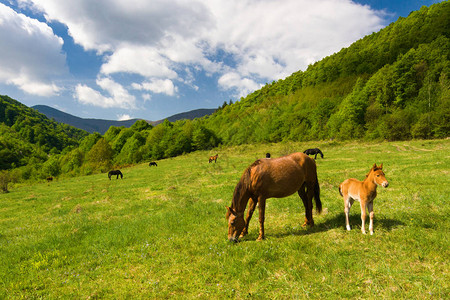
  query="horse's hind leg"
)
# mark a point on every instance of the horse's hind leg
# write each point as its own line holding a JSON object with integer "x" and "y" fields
{"x": 348, "y": 202}
{"x": 306, "y": 196}
{"x": 251, "y": 208}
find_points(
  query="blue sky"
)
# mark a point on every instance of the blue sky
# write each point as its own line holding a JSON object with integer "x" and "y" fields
{"x": 149, "y": 59}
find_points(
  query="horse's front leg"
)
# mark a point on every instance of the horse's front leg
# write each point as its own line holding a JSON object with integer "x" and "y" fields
{"x": 262, "y": 211}
{"x": 363, "y": 216}
{"x": 371, "y": 214}
{"x": 251, "y": 208}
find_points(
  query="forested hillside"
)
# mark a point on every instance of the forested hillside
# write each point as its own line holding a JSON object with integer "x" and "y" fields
{"x": 393, "y": 84}
{"x": 28, "y": 136}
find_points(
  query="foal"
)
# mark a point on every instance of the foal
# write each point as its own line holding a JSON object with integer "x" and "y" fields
{"x": 364, "y": 192}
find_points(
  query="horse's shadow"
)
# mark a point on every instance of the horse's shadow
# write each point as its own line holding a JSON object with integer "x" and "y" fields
{"x": 337, "y": 221}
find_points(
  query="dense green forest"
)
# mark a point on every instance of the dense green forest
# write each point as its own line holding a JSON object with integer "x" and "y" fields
{"x": 390, "y": 85}
{"x": 393, "y": 84}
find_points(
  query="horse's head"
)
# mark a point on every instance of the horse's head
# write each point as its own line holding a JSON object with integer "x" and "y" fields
{"x": 378, "y": 176}
{"x": 236, "y": 224}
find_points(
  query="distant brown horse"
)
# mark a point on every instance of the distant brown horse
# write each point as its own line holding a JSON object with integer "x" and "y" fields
{"x": 213, "y": 158}
{"x": 272, "y": 178}
{"x": 364, "y": 192}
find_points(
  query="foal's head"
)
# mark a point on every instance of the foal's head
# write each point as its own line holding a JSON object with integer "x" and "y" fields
{"x": 378, "y": 176}
{"x": 236, "y": 224}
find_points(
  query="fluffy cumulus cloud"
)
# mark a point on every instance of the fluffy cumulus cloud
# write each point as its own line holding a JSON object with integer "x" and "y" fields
{"x": 118, "y": 96}
{"x": 159, "y": 40}
{"x": 31, "y": 56}
{"x": 158, "y": 86}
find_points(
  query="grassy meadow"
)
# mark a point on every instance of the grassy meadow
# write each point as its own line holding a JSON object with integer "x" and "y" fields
{"x": 161, "y": 232}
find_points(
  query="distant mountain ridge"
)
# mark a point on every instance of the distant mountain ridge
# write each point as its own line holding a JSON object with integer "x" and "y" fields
{"x": 101, "y": 125}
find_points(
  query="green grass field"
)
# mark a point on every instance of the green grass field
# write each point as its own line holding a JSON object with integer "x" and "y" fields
{"x": 161, "y": 231}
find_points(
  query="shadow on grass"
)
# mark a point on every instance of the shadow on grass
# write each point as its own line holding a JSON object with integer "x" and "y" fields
{"x": 338, "y": 221}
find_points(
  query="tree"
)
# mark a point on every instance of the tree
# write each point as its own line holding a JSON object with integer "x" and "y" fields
{"x": 100, "y": 156}
{"x": 4, "y": 180}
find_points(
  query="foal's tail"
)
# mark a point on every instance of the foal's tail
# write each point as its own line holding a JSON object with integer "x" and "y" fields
{"x": 317, "y": 196}
{"x": 340, "y": 191}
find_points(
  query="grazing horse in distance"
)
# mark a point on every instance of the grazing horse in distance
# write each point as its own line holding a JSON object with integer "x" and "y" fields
{"x": 213, "y": 158}
{"x": 267, "y": 155}
{"x": 152, "y": 164}
{"x": 49, "y": 179}
{"x": 272, "y": 178}
{"x": 313, "y": 151}
{"x": 364, "y": 192}
{"x": 115, "y": 172}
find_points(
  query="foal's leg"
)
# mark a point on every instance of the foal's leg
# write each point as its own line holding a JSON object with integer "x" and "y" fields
{"x": 363, "y": 216}
{"x": 348, "y": 202}
{"x": 262, "y": 211}
{"x": 371, "y": 213}
{"x": 251, "y": 208}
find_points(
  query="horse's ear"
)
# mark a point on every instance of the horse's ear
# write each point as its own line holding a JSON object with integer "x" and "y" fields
{"x": 381, "y": 166}
{"x": 374, "y": 166}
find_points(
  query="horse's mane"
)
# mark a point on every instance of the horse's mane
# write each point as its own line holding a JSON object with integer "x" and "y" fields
{"x": 243, "y": 184}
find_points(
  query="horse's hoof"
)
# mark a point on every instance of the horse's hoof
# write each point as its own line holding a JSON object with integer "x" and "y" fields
{"x": 260, "y": 238}
{"x": 371, "y": 233}
{"x": 348, "y": 227}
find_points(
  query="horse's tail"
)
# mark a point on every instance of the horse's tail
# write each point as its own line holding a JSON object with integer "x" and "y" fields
{"x": 340, "y": 191}
{"x": 317, "y": 196}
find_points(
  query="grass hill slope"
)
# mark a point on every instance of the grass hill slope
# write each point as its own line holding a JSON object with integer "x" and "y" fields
{"x": 160, "y": 232}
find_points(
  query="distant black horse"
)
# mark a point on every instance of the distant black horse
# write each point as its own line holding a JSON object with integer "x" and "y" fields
{"x": 267, "y": 155}
{"x": 115, "y": 172}
{"x": 313, "y": 151}
{"x": 152, "y": 164}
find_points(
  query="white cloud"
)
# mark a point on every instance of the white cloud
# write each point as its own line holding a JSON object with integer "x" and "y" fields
{"x": 158, "y": 86}
{"x": 118, "y": 95}
{"x": 144, "y": 61}
{"x": 234, "y": 81}
{"x": 123, "y": 117}
{"x": 31, "y": 56}
{"x": 261, "y": 40}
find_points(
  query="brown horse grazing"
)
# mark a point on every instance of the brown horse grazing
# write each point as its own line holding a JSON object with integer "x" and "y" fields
{"x": 213, "y": 158}
{"x": 364, "y": 192}
{"x": 272, "y": 178}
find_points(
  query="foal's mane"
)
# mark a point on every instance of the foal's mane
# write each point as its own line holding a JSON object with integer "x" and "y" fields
{"x": 373, "y": 169}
